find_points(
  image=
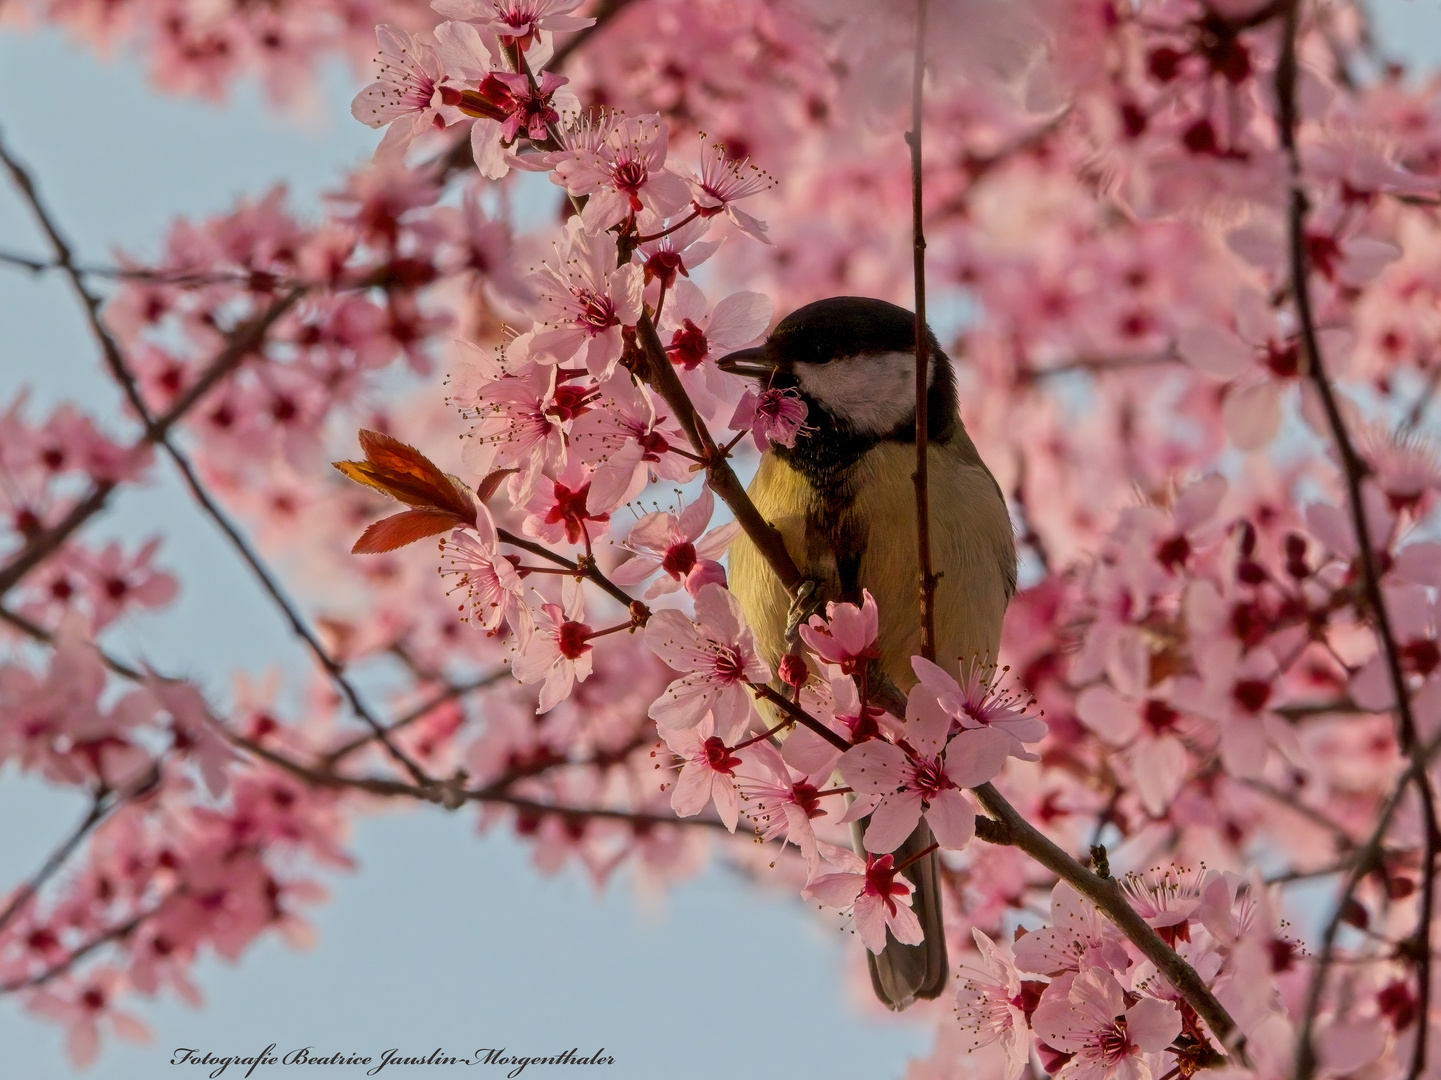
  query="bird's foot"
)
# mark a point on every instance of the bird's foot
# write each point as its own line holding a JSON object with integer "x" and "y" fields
{"x": 805, "y": 604}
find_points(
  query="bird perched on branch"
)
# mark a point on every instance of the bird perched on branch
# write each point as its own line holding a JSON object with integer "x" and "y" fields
{"x": 844, "y": 502}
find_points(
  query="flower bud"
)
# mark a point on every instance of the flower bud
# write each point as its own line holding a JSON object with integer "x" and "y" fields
{"x": 793, "y": 671}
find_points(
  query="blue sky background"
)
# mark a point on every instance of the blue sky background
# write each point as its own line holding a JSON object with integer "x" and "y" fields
{"x": 441, "y": 938}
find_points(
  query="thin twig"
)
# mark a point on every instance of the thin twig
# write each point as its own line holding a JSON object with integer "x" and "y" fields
{"x": 586, "y": 568}
{"x": 451, "y": 692}
{"x": 1353, "y": 470}
{"x": 100, "y": 805}
{"x": 796, "y": 713}
{"x": 39, "y": 633}
{"x": 122, "y": 930}
{"x": 157, "y": 432}
{"x": 927, "y": 582}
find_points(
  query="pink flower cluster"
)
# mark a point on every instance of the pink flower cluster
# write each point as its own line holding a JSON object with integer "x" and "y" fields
{"x": 1108, "y": 201}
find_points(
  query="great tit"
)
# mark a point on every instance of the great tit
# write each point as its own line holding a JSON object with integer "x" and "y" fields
{"x": 844, "y": 502}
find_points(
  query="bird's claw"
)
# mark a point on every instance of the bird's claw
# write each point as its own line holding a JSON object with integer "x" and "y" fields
{"x": 805, "y": 604}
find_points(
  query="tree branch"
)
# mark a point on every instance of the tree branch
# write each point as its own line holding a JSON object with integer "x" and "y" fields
{"x": 1106, "y": 894}
{"x": 157, "y": 431}
{"x": 921, "y": 478}
{"x": 723, "y": 480}
{"x": 1353, "y": 470}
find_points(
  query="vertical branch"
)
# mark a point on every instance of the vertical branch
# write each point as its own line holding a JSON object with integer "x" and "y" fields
{"x": 923, "y": 367}
{"x": 1354, "y": 471}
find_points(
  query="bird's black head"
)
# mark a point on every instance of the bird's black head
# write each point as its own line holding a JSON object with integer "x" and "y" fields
{"x": 852, "y": 359}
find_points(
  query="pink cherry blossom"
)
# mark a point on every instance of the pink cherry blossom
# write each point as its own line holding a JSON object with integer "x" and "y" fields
{"x": 736, "y": 321}
{"x": 870, "y": 890}
{"x": 1147, "y": 729}
{"x": 1106, "y": 1038}
{"x": 722, "y": 182}
{"x": 782, "y": 804}
{"x": 846, "y": 637}
{"x": 586, "y": 299}
{"x": 560, "y": 509}
{"x": 773, "y": 416}
{"x": 517, "y": 22}
{"x": 1078, "y": 938}
{"x": 718, "y": 654}
{"x": 707, "y": 775}
{"x": 494, "y": 593}
{"x": 923, "y": 774}
{"x": 836, "y": 703}
{"x": 677, "y": 547}
{"x": 517, "y": 425}
{"x": 624, "y": 440}
{"x": 508, "y": 106}
{"x": 676, "y": 250}
{"x": 624, "y": 175}
{"x": 991, "y": 1004}
{"x": 983, "y": 703}
{"x": 558, "y": 653}
{"x": 407, "y": 94}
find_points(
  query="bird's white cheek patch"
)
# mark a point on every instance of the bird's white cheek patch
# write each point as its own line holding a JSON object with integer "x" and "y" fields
{"x": 873, "y": 393}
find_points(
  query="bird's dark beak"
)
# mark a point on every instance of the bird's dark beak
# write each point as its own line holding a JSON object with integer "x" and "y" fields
{"x": 751, "y": 363}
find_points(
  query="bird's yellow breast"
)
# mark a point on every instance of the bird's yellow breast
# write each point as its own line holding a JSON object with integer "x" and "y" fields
{"x": 866, "y": 536}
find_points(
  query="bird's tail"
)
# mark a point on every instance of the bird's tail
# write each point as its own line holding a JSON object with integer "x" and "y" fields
{"x": 902, "y": 973}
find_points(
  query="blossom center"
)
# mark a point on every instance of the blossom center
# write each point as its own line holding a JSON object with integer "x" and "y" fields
{"x": 1113, "y": 1044}
{"x": 930, "y": 778}
{"x": 680, "y": 560}
{"x": 688, "y": 346}
{"x": 881, "y": 881}
{"x": 568, "y": 402}
{"x": 630, "y": 177}
{"x": 597, "y": 313}
{"x": 730, "y": 666}
{"x": 719, "y": 757}
{"x": 807, "y": 797}
{"x": 571, "y": 639}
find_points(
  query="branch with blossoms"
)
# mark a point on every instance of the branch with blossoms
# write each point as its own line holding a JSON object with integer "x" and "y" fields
{"x": 1100, "y": 199}
{"x": 1354, "y": 471}
{"x": 594, "y": 297}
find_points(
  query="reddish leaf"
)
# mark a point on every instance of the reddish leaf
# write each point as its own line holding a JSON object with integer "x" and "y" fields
{"x": 404, "y": 528}
{"x": 406, "y": 474}
{"x": 491, "y": 483}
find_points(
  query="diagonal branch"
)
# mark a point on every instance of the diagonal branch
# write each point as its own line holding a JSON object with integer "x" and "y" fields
{"x": 661, "y": 375}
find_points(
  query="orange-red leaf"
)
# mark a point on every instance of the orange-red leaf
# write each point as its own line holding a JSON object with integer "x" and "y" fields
{"x": 404, "y": 473}
{"x": 403, "y": 528}
{"x": 491, "y": 483}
